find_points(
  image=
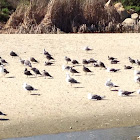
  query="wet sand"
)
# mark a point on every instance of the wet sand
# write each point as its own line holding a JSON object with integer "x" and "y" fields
{"x": 60, "y": 107}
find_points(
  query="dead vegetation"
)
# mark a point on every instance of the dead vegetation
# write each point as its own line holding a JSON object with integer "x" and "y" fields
{"x": 63, "y": 16}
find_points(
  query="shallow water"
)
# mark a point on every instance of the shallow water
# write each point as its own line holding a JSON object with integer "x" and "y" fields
{"x": 124, "y": 133}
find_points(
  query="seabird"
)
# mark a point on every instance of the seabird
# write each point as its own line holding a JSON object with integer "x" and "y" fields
{"x": 111, "y": 58}
{"x": 91, "y": 60}
{"x": 45, "y": 74}
{"x": 85, "y": 62}
{"x": 32, "y": 59}
{"x": 48, "y": 63}
{"x": 127, "y": 67}
{"x": 124, "y": 93}
{"x": 74, "y": 62}
{"x": 132, "y": 61}
{"x": 67, "y": 59}
{"x": 73, "y": 70}
{"x": 21, "y": 61}
{"x": 27, "y": 63}
{"x": 28, "y": 87}
{"x": 110, "y": 84}
{"x": 137, "y": 79}
{"x": 71, "y": 80}
{"x": 36, "y": 71}
{"x": 112, "y": 70}
{"x": 46, "y": 53}
{"x": 3, "y": 71}
{"x": 28, "y": 73}
{"x": 138, "y": 62}
{"x": 95, "y": 97}
{"x": 49, "y": 57}
{"x": 13, "y": 54}
{"x": 3, "y": 61}
{"x": 85, "y": 69}
{"x": 102, "y": 65}
{"x": 138, "y": 91}
{"x": 96, "y": 65}
{"x": 65, "y": 67}
{"x": 136, "y": 72}
{"x": 114, "y": 61}
{"x": 3, "y": 114}
{"x": 87, "y": 48}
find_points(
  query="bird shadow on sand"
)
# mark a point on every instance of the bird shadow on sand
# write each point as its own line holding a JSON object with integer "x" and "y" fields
{"x": 114, "y": 90}
{"x": 78, "y": 87}
{"x": 11, "y": 77}
{"x": 2, "y": 119}
{"x": 36, "y": 94}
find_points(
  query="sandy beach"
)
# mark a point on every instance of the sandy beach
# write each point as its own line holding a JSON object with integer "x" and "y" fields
{"x": 60, "y": 107}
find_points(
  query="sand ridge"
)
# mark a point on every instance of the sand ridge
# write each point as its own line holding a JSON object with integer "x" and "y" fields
{"x": 61, "y": 106}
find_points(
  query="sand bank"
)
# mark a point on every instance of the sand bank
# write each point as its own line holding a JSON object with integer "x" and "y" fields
{"x": 59, "y": 105}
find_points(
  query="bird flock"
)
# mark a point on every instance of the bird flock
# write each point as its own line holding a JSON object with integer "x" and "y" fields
{"x": 70, "y": 70}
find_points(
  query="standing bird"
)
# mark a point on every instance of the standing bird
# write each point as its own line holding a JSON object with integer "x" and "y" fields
{"x": 49, "y": 57}
{"x": 137, "y": 79}
{"x": 21, "y": 61}
{"x": 32, "y": 59}
{"x": 28, "y": 73}
{"x": 28, "y": 87}
{"x": 85, "y": 69}
{"x": 110, "y": 84}
{"x": 85, "y": 62}
{"x": 45, "y": 74}
{"x": 3, "y": 61}
{"x": 46, "y": 53}
{"x": 102, "y": 65}
{"x": 132, "y": 61}
{"x": 73, "y": 71}
{"x": 67, "y": 59}
{"x": 3, "y": 71}
{"x": 71, "y": 80}
{"x": 95, "y": 97}
{"x": 13, "y": 54}
{"x": 27, "y": 63}
{"x": 36, "y": 71}
{"x": 124, "y": 93}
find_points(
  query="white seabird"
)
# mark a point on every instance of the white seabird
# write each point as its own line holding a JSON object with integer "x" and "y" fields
{"x": 71, "y": 80}
{"x": 124, "y": 93}
{"x": 110, "y": 84}
{"x": 28, "y": 87}
{"x": 95, "y": 97}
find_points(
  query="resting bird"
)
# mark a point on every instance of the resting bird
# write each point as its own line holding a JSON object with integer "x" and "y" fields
{"x": 124, "y": 93}
{"x": 74, "y": 62}
{"x": 95, "y": 97}
{"x": 13, "y": 54}
{"x": 3, "y": 71}
{"x": 87, "y": 49}
{"x": 102, "y": 65}
{"x": 111, "y": 58}
{"x": 3, "y": 114}
{"x": 3, "y": 61}
{"x": 65, "y": 67}
{"x": 36, "y": 71}
{"x": 27, "y": 63}
{"x": 127, "y": 67}
{"x": 46, "y": 53}
{"x": 48, "y": 63}
{"x": 85, "y": 62}
{"x": 73, "y": 71}
{"x": 112, "y": 70}
{"x": 114, "y": 61}
{"x": 67, "y": 59}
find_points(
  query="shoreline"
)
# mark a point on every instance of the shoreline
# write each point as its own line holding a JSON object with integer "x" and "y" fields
{"x": 60, "y": 107}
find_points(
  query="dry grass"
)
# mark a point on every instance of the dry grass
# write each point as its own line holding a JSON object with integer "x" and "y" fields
{"x": 58, "y": 16}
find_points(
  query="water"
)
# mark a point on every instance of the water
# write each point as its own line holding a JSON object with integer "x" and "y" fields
{"x": 125, "y": 133}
